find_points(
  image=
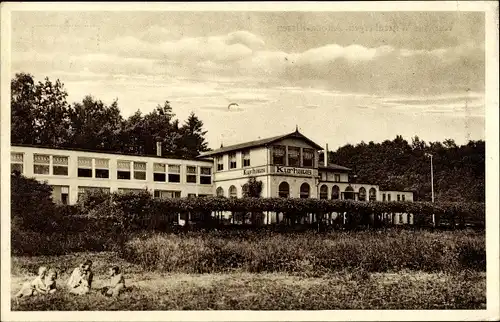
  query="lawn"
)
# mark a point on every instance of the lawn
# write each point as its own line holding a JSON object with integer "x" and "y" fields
{"x": 240, "y": 290}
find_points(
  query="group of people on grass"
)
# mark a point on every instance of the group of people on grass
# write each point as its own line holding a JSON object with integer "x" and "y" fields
{"x": 80, "y": 282}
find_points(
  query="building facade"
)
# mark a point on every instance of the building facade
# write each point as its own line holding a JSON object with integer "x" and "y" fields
{"x": 288, "y": 166}
{"x": 72, "y": 172}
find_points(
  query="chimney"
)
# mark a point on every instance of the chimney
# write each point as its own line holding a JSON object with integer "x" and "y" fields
{"x": 158, "y": 148}
{"x": 326, "y": 155}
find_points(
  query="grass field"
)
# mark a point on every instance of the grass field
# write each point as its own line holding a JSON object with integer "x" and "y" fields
{"x": 348, "y": 289}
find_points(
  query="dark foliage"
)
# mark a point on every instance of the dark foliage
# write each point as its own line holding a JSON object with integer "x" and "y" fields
{"x": 459, "y": 171}
{"x": 42, "y": 116}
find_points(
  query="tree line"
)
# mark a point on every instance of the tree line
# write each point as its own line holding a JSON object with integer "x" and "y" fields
{"x": 459, "y": 171}
{"x": 41, "y": 115}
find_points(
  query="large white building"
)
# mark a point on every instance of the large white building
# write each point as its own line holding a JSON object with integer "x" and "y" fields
{"x": 288, "y": 166}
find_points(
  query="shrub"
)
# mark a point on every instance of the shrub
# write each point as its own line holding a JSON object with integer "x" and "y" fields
{"x": 137, "y": 211}
{"x": 31, "y": 204}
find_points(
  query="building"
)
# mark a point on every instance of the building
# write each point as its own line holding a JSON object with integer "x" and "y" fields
{"x": 288, "y": 166}
{"x": 72, "y": 172}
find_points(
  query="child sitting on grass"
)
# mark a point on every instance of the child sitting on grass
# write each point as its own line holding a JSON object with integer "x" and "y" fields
{"x": 50, "y": 281}
{"x": 117, "y": 283}
{"x": 80, "y": 280}
{"x": 36, "y": 286}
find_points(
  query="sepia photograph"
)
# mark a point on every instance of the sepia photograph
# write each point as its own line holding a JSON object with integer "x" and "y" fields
{"x": 259, "y": 161}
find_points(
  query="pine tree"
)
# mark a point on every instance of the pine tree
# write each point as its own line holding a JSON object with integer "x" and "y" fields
{"x": 192, "y": 140}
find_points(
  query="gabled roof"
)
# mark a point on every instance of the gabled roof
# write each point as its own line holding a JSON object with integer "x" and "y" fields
{"x": 261, "y": 142}
{"x": 332, "y": 166}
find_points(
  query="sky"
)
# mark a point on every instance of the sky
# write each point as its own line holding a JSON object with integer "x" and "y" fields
{"x": 341, "y": 77}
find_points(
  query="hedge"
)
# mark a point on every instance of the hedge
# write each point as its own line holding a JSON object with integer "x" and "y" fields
{"x": 134, "y": 208}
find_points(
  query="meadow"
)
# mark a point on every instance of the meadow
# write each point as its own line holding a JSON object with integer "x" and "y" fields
{"x": 263, "y": 270}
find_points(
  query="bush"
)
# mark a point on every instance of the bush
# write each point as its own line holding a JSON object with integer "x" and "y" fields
{"x": 137, "y": 211}
{"x": 31, "y": 204}
{"x": 304, "y": 253}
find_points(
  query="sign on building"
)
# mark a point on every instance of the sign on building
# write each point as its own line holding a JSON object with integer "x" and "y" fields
{"x": 293, "y": 171}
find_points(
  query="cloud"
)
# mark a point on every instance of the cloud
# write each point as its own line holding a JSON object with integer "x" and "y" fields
{"x": 242, "y": 56}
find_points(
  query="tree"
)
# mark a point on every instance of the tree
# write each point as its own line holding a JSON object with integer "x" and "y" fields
{"x": 161, "y": 127}
{"x": 253, "y": 189}
{"x": 39, "y": 112}
{"x": 192, "y": 139}
{"x": 95, "y": 126}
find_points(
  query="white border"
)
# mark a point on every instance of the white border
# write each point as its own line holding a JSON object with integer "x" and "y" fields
{"x": 492, "y": 164}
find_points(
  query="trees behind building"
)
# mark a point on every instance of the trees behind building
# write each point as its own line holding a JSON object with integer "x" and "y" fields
{"x": 41, "y": 115}
{"x": 459, "y": 171}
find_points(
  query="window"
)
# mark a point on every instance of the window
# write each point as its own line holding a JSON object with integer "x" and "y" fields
{"x": 349, "y": 193}
{"x": 304, "y": 190}
{"x": 388, "y": 197}
{"x": 64, "y": 195}
{"x": 232, "y": 160}
{"x": 323, "y": 192}
{"x": 174, "y": 173}
{"x": 335, "y": 192}
{"x": 130, "y": 190}
{"x": 284, "y": 190}
{"x": 245, "y": 156}
{"x": 403, "y": 197}
{"x": 140, "y": 170}
{"x": 191, "y": 195}
{"x": 83, "y": 190}
{"x": 191, "y": 174}
{"x": 41, "y": 163}
{"x": 362, "y": 194}
{"x": 372, "y": 194}
{"x": 59, "y": 165}
{"x": 84, "y": 167}
{"x": 233, "y": 193}
{"x": 60, "y": 194}
{"x": 220, "y": 192}
{"x": 336, "y": 177}
{"x": 293, "y": 156}
{"x": 101, "y": 168}
{"x": 308, "y": 158}
{"x": 383, "y": 197}
{"x": 220, "y": 163}
{"x": 159, "y": 172}
{"x": 166, "y": 194}
{"x": 401, "y": 218}
{"x": 279, "y": 152}
{"x": 399, "y": 197}
{"x": 123, "y": 170}
{"x": 16, "y": 162}
{"x": 205, "y": 175}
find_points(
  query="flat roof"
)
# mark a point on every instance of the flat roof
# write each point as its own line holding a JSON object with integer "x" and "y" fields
{"x": 332, "y": 166}
{"x": 261, "y": 142}
{"x": 112, "y": 152}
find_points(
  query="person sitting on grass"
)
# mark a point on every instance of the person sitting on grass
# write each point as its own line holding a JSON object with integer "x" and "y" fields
{"x": 80, "y": 280}
{"x": 116, "y": 284}
{"x": 50, "y": 281}
{"x": 36, "y": 286}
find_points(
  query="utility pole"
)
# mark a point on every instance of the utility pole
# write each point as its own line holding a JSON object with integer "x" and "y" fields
{"x": 432, "y": 187}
